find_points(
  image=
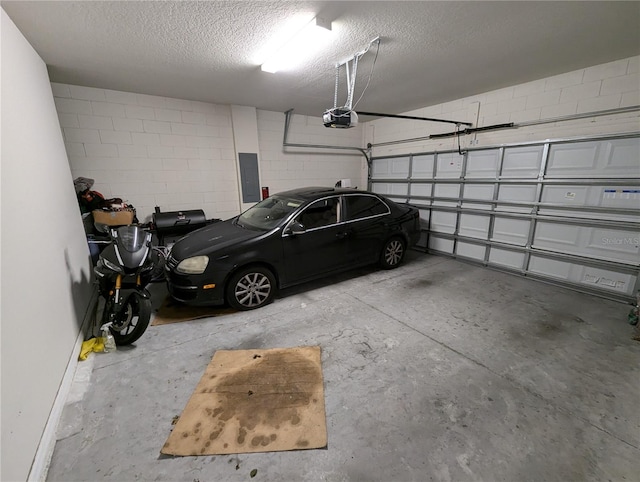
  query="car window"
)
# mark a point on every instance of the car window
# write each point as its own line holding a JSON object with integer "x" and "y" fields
{"x": 320, "y": 213}
{"x": 268, "y": 213}
{"x": 359, "y": 207}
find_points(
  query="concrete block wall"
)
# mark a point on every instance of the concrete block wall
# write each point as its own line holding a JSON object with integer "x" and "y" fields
{"x": 295, "y": 167}
{"x": 600, "y": 87}
{"x": 149, "y": 150}
{"x": 179, "y": 154}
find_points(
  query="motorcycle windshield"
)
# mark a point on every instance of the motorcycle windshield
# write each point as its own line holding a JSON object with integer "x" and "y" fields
{"x": 131, "y": 238}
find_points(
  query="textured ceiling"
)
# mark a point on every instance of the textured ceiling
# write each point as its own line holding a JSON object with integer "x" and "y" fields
{"x": 430, "y": 52}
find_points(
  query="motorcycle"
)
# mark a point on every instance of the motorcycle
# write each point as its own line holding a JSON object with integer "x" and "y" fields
{"x": 123, "y": 272}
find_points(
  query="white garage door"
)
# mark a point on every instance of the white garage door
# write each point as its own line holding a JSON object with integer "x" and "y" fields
{"x": 564, "y": 211}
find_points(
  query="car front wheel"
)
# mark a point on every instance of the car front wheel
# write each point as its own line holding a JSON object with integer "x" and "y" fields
{"x": 392, "y": 253}
{"x": 251, "y": 288}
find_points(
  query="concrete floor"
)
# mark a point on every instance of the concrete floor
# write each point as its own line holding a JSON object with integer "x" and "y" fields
{"x": 437, "y": 370}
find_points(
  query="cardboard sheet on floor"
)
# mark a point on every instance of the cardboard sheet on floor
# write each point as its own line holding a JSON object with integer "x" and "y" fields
{"x": 254, "y": 401}
{"x": 173, "y": 312}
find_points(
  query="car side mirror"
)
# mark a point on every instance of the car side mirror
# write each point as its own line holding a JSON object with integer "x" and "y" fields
{"x": 296, "y": 228}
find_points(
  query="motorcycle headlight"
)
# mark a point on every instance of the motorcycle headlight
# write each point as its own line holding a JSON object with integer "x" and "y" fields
{"x": 112, "y": 266}
{"x": 195, "y": 265}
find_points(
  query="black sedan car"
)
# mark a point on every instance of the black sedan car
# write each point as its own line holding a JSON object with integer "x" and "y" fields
{"x": 286, "y": 239}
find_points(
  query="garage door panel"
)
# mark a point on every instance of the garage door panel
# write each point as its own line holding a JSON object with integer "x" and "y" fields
{"x": 425, "y": 215}
{"x": 603, "y": 243}
{"x": 474, "y": 226}
{"x": 627, "y": 197}
{"x": 512, "y": 231}
{"x": 516, "y": 192}
{"x": 423, "y": 167}
{"x": 447, "y": 190}
{"x": 420, "y": 189}
{"x": 607, "y": 158}
{"x": 449, "y": 166}
{"x": 420, "y": 203}
{"x": 522, "y": 162}
{"x": 483, "y": 164}
{"x": 472, "y": 251}
{"x": 563, "y": 237}
{"x": 576, "y": 202}
{"x": 484, "y": 207}
{"x": 390, "y": 188}
{"x": 503, "y": 257}
{"x": 588, "y": 276}
{"x": 618, "y": 245}
{"x": 441, "y": 244}
{"x": 567, "y": 195}
{"x": 399, "y": 168}
{"x": 379, "y": 187}
{"x": 623, "y": 154}
{"x": 392, "y": 168}
{"x": 552, "y": 268}
{"x": 443, "y": 222}
{"x": 589, "y": 215}
{"x": 380, "y": 168}
{"x": 586, "y": 197}
{"x": 607, "y": 280}
{"x": 572, "y": 159}
{"x": 478, "y": 191}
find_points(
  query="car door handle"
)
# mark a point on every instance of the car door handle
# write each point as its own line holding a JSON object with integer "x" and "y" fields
{"x": 342, "y": 235}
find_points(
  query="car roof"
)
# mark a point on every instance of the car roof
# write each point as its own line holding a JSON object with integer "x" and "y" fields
{"x": 310, "y": 193}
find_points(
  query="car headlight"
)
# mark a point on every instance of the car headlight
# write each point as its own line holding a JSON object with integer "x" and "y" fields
{"x": 195, "y": 265}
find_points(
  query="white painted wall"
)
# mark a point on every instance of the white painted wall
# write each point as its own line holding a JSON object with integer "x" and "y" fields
{"x": 296, "y": 167}
{"x": 245, "y": 139}
{"x": 601, "y": 87}
{"x": 180, "y": 154}
{"x": 45, "y": 260}
{"x": 151, "y": 151}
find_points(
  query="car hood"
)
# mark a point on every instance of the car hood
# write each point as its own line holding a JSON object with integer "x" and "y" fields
{"x": 210, "y": 239}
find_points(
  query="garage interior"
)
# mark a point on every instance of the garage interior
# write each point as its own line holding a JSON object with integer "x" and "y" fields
{"x": 501, "y": 349}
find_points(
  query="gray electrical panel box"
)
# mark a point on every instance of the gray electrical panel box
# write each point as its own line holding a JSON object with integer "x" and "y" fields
{"x": 249, "y": 178}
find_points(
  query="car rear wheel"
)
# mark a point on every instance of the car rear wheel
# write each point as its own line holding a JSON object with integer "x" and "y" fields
{"x": 392, "y": 253}
{"x": 251, "y": 288}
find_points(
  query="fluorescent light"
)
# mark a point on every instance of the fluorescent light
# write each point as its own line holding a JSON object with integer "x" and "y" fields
{"x": 300, "y": 45}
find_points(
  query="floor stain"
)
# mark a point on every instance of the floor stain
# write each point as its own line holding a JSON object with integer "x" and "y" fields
{"x": 268, "y": 394}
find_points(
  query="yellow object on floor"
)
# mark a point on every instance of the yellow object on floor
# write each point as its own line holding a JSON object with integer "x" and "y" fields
{"x": 92, "y": 344}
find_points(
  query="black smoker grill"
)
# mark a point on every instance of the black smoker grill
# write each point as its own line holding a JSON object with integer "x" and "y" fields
{"x": 177, "y": 223}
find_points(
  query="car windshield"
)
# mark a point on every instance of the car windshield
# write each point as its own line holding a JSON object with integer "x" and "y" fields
{"x": 268, "y": 213}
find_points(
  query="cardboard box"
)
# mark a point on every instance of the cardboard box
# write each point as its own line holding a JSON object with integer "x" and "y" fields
{"x": 113, "y": 218}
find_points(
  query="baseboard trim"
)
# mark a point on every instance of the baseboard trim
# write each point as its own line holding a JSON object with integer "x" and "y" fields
{"x": 42, "y": 458}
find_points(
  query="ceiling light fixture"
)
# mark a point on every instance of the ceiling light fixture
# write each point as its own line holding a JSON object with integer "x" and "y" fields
{"x": 299, "y": 45}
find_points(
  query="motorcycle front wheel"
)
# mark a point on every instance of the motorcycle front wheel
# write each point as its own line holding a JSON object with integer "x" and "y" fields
{"x": 133, "y": 320}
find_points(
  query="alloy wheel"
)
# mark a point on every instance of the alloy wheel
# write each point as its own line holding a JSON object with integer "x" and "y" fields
{"x": 393, "y": 253}
{"x": 252, "y": 289}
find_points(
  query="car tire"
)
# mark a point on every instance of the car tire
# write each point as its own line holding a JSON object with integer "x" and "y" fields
{"x": 392, "y": 253}
{"x": 251, "y": 288}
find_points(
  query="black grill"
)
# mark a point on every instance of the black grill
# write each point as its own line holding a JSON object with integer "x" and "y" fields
{"x": 177, "y": 223}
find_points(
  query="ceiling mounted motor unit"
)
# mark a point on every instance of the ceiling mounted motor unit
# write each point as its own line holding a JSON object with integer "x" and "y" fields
{"x": 345, "y": 116}
{"x": 340, "y": 117}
